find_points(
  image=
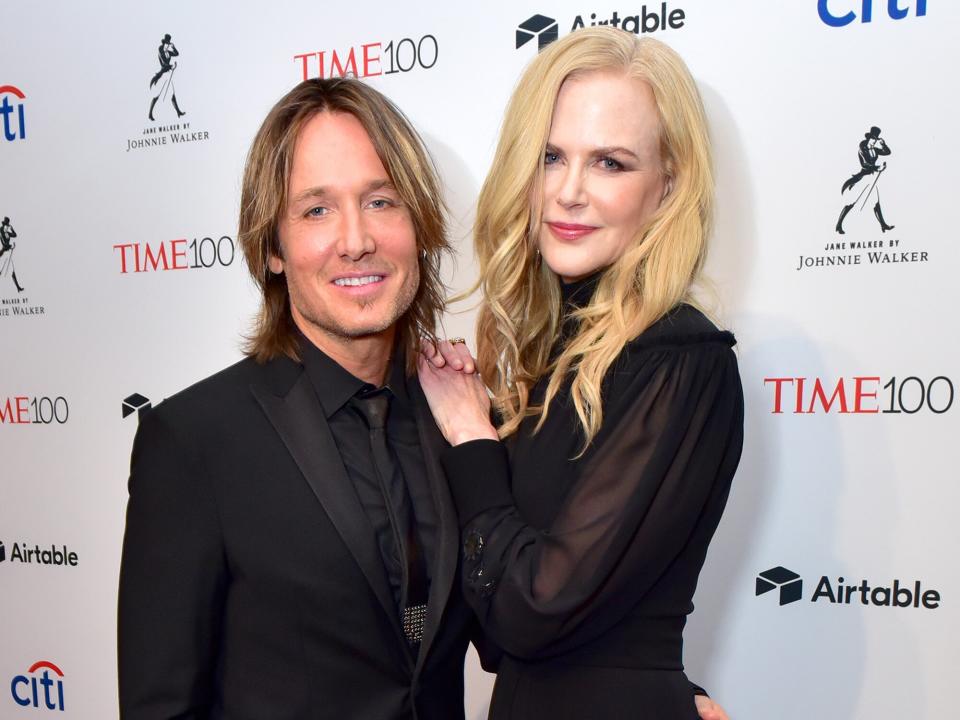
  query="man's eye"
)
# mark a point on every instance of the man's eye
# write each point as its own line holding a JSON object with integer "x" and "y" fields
{"x": 380, "y": 203}
{"x": 316, "y": 211}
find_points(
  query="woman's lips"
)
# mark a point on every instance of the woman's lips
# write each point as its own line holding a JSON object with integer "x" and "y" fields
{"x": 570, "y": 231}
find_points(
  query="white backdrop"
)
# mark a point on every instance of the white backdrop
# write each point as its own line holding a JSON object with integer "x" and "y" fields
{"x": 867, "y": 496}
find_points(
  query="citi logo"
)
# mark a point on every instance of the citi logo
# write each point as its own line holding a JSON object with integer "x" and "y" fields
{"x": 37, "y": 687}
{"x": 14, "y": 128}
{"x": 828, "y": 9}
{"x": 898, "y": 594}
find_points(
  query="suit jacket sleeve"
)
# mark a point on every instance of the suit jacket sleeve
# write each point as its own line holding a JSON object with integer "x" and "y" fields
{"x": 172, "y": 579}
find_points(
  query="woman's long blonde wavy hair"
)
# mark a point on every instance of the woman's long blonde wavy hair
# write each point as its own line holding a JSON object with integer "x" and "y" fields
{"x": 520, "y": 314}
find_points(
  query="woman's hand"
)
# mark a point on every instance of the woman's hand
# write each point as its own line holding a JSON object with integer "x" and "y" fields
{"x": 456, "y": 354}
{"x": 457, "y": 398}
{"x": 708, "y": 709}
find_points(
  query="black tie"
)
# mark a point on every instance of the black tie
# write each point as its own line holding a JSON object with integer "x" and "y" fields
{"x": 374, "y": 406}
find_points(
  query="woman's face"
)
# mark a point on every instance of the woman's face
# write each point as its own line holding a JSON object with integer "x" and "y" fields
{"x": 602, "y": 172}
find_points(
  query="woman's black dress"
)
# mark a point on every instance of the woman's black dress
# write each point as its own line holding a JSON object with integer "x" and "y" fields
{"x": 583, "y": 570}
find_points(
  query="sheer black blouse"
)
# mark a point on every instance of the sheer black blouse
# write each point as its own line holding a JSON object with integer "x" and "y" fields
{"x": 594, "y": 560}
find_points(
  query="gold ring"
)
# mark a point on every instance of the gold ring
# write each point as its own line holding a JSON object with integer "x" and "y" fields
{"x": 456, "y": 340}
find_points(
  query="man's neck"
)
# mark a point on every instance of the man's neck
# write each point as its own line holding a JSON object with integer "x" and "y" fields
{"x": 366, "y": 357}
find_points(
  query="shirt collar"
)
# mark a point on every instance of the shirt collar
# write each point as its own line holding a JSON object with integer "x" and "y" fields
{"x": 335, "y": 385}
{"x": 397, "y": 377}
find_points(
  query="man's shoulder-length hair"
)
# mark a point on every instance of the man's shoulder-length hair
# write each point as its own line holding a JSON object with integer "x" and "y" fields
{"x": 263, "y": 201}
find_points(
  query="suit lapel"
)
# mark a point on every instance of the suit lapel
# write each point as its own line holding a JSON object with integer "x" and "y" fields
{"x": 448, "y": 540}
{"x": 299, "y": 420}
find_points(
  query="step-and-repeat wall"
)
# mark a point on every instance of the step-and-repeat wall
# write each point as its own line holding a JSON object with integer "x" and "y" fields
{"x": 831, "y": 590}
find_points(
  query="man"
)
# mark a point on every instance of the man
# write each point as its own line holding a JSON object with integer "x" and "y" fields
{"x": 291, "y": 548}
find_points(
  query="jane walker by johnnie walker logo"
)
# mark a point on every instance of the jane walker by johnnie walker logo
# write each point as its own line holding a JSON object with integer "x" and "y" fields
{"x": 864, "y": 230}
{"x": 14, "y": 302}
{"x": 166, "y": 112}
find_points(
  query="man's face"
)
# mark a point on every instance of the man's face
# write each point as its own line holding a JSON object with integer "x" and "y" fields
{"x": 348, "y": 245}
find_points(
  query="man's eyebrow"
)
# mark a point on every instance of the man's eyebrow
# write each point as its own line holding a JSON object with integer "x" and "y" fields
{"x": 321, "y": 191}
{"x": 310, "y": 193}
{"x": 380, "y": 184}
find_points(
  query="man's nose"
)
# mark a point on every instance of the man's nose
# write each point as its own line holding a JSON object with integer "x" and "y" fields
{"x": 354, "y": 239}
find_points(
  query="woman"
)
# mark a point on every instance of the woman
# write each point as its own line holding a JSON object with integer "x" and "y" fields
{"x": 586, "y": 515}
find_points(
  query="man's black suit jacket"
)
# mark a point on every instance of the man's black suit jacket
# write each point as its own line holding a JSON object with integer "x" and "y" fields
{"x": 251, "y": 584}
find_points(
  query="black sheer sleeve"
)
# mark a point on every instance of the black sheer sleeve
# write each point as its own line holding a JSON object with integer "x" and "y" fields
{"x": 667, "y": 450}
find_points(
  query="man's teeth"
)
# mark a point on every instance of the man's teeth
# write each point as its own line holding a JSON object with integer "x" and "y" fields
{"x": 365, "y": 280}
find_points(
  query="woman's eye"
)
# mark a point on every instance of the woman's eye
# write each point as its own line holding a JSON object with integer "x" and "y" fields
{"x": 608, "y": 163}
{"x": 549, "y": 158}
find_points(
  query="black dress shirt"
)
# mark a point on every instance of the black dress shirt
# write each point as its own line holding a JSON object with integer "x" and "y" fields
{"x": 335, "y": 386}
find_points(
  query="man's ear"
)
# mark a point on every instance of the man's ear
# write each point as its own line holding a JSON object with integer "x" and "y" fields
{"x": 275, "y": 264}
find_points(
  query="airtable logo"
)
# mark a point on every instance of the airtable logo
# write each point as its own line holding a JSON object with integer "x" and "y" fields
{"x": 43, "y": 692}
{"x": 897, "y": 594}
{"x": 59, "y": 556}
{"x": 17, "y": 129}
{"x": 539, "y": 26}
{"x": 649, "y": 19}
{"x": 135, "y": 403}
{"x": 789, "y": 583}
